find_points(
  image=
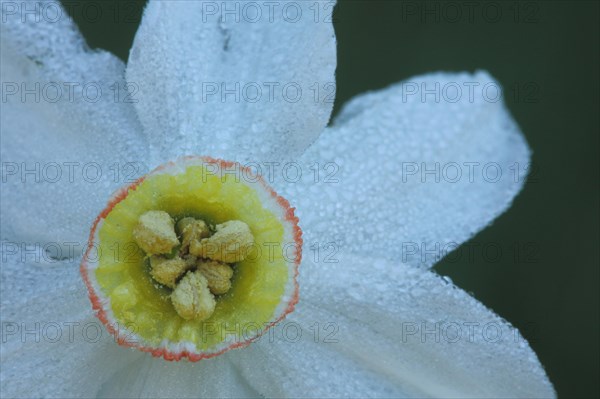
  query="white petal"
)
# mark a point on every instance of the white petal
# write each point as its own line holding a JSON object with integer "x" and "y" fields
{"x": 61, "y": 127}
{"x": 52, "y": 345}
{"x": 389, "y": 330}
{"x": 374, "y": 195}
{"x": 290, "y": 364}
{"x": 156, "y": 378}
{"x": 186, "y": 58}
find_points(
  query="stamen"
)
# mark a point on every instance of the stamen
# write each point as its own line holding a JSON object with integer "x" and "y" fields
{"x": 190, "y": 229}
{"x": 155, "y": 233}
{"x": 229, "y": 244}
{"x": 193, "y": 297}
{"x": 218, "y": 275}
{"x": 168, "y": 271}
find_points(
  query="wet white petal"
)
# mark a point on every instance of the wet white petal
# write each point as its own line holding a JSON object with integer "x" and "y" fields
{"x": 52, "y": 344}
{"x": 387, "y": 330}
{"x": 252, "y": 83}
{"x": 150, "y": 377}
{"x": 411, "y": 176}
{"x": 293, "y": 365}
{"x": 64, "y": 134}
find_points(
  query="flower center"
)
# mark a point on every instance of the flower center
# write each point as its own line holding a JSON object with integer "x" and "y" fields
{"x": 198, "y": 257}
{"x": 196, "y": 261}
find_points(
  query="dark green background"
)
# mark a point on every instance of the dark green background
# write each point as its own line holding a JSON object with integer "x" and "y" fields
{"x": 546, "y": 55}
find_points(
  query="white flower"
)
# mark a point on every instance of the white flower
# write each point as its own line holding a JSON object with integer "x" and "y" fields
{"x": 377, "y": 323}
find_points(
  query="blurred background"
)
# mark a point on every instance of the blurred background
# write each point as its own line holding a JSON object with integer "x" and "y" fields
{"x": 545, "y": 54}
